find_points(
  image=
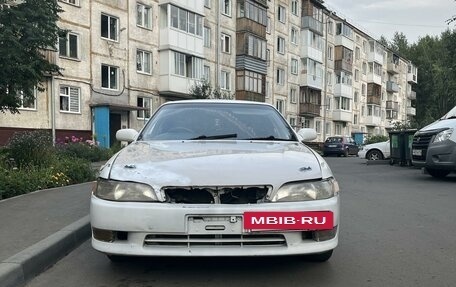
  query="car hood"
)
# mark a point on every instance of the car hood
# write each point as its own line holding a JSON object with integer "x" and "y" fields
{"x": 440, "y": 125}
{"x": 214, "y": 163}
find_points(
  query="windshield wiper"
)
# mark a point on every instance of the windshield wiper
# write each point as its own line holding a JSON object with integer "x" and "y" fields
{"x": 214, "y": 137}
{"x": 272, "y": 138}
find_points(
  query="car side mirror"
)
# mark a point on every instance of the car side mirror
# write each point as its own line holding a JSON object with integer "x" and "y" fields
{"x": 307, "y": 134}
{"x": 126, "y": 135}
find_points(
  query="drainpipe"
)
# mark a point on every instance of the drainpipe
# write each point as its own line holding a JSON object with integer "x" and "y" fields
{"x": 325, "y": 88}
{"x": 53, "y": 110}
{"x": 217, "y": 43}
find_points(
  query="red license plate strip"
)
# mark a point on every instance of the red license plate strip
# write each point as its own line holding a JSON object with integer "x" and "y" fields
{"x": 284, "y": 220}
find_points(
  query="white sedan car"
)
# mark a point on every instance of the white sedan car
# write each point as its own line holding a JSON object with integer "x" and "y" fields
{"x": 216, "y": 178}
{"x": 375, "y": 151}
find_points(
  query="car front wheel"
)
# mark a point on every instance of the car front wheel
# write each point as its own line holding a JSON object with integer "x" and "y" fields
{"x": 374, "y": 155}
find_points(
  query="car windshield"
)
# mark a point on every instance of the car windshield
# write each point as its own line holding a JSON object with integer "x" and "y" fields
{"x": 450, "y": 115}
{"x": 334, "y": 140}
{"x": 212, "y": 121}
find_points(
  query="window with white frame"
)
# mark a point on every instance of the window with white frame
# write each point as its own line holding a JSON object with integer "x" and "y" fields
{"x": 109, "y": 27}
{"x": 330, "y": 27}
{"x": 268, "y": 56}
{"x": 146, "y": 104}
{"x": 143, "y": 16}
{"x": 143, "y": 61}
{"x": 226, "y": 7}
{"x": 356, "y": 96}
{"x": 357, "y": 53}
{"x": 225, "y": 80}
{"x": 207, "y": 3}
{"x": 188, "y": 66}
{"x": 281, "y": 45}
{"x": 292, "y": 122}
{"x": 73, "y": 2}
{"x": 355, "y": 119}
{"x": 268, "y": 25}
{"x": 330, "y": 52}
{"x": 294, "y": 66}
{"x": 256, "y": 47}
{"x": 179, "y": 64}
{"x": 280, "y": 106}
{"x": 356, "y": 75}
{"x": 207, "y": 36}
{"x": 70, "y": 99}
{"x": 281, "y": 14}
{"x": 109, "y": 77}
{"x": 294, "y": 35}
{"x": 342, "y": 103}
{"x": 249, "y": 81}
{"x": 28, "y": 103}
{"x": 318, "y": 126}
{"x": 293, "y": 95}
{"x": 280, "y": 77}
{"x": 338, "y": 129}
{"x": 207, "y": 73}
{"x": 328, "y": 128}
{"x": 294, "y": 7}
{"x": 306, "y": 123}
{"x": 68, "y": 45}
{"x": 186, "y": 21}
{"x": 329, "y": 78}
{"x": 226, "y": 43}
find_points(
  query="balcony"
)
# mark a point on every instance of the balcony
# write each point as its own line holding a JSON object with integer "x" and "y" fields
{"x": 374, "y": 78}
{"x": 172, "y": 38}
{"x": 411, "y": 95}
{"x": 392, "y": 87}
{"x": 248, "y": 25}
{"x": 311, "y": 81}
{"x": 309, "y": 22}
{"x": 375, "y": 57}
{"x": 375, "y": 53}
{"x": 309, "y": 109}
{"x": 342, "y": 90}
{"x": 175, "y": 85}
{"x": 250, "y": 96}
{"x": 372, "y": 121}
{"x": 390, "y": 105}
{"x": 392, "y": 68}
{"x": 343, "y": 65}
{"x": 341, "y": 40}
{"x": 411, "y": 111}
{"x": 374, "y": 100}
{"x": 312, "y": 53}
{"x": 342, "y": 116}
{"x": 412, "y": 74}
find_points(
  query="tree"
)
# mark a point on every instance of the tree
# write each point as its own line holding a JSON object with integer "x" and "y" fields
{"x": 400, "y": 44}
{"x": 27, "y": 29}
{"x": 204, "y": 90}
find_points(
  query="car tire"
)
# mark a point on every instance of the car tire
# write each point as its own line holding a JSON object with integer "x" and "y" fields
{"x": 346, "y": 153}
{"x": 437, "y": 173}
{"x": 374, "y": 155}
{"x": 320, "y": 257}
{"x": 117, "y": 258}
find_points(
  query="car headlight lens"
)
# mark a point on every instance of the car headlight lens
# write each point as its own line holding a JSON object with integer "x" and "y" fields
{"x": 444, "y": 135}
{"x": 124, "y": 191}
{"x": 303, "y": 191}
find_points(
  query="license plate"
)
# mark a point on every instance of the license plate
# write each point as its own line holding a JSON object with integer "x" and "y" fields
{"x": 332, "y": 145}
{"x": 417, "y": 152}
{"x": 281, "y": 220}
{"x": 214, "y": 224}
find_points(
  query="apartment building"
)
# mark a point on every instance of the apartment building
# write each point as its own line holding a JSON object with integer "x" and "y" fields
{"x": 121, "y": 60}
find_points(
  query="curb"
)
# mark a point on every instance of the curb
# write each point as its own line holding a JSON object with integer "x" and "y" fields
{"x": 377, "y": 162}
{"x": 25, "y": 265}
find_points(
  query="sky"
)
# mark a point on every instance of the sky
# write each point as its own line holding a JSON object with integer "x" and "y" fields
{"x": 414, "y": 18}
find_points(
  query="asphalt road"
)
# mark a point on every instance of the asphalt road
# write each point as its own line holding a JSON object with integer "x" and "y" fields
{"x": 398, "y": 229}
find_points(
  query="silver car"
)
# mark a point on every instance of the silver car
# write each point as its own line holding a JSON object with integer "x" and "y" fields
{"x": 216, "y": 178}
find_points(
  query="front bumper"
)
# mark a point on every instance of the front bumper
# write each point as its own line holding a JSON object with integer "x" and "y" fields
{"x": 146, "y": 220}
{"x": 440, "y": 155}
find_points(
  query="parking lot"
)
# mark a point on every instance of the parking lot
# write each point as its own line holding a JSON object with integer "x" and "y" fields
{"x": 397, "y": 229}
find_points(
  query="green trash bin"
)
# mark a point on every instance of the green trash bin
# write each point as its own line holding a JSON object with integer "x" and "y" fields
{"x": 400, "y": 146}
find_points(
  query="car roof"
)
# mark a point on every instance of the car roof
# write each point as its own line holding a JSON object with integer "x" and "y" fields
{"x": 214, "y": 101}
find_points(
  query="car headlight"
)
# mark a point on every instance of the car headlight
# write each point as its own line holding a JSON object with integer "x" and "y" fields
{"x": 444, "y": 135}
{"x": 303, "y": 191}
{"x": 124, "y": 191}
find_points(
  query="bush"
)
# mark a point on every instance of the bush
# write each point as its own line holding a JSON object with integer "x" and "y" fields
{"x": 31, "y": 148}
{"x": 84, "y": 151}
{"x": 77, "y": 170}
{"x": 376, "y": 139}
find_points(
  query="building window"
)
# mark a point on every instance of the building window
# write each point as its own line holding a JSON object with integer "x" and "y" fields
{"x": 225, "y": 80}
{"x": 330, "y": 27}
{"x": 207, "y": 3}
{"x": 281, "y": 45}
{"x": 357, "y": 53}
{"x": 268, "y": 56}
{"x": 356, "y": 75}
{"x": 281, "y": 14}
{"x": 188, "y": 66}
{"x": 356, "y": 96}
{"x": 186, "y": 21}
{"x": 146, "y": 104}
{"x": 280, "y": 106}
{"x": 226, "y": 43}
{"x": 342, "y": 103}
{"x": 249, "y": 81}
{"x": 68, "y": 45}
{"x": 256, "y": 47}
{"x": 329, "y": 78}
{"x": 294, "y": 66}
{"x": 355, "y": 119}
{"x": 306, "y": 123}
{"x": 109, "y": 77}
{"x": 330, "y": 52}
{"x": 294, "y": 7}
{"x": 207, "y": 36}
{"x": 280, "y": 78}
{"x": 69, "y": 99}
{"x": 143, "y": 16}
{"x": 207, "y": 73}
{"x": 293, "y": 122}
{"x": 293, "y": 94}
{"x": 364, "y": 68}
{"x": 73, "y": 2}
{"x": 226, "y": 7}
{"x": 294, "y": 35}
{"x": 109, "y": 27}
{"x": 268, "y": 90}
{"x": 268, "y": 25}
{"x": 28, "y": 104}
{"x": 318, "y": 126}
{"x": 328, "y": 128}
{"x": 143, "y": 62}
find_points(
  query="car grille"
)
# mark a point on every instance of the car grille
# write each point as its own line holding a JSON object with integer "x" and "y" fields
{"x": 212, "y": 240}
{"x": 421, "y": 142}
{"x": 217, "y": 195}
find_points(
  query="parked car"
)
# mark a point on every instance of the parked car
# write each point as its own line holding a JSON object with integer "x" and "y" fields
{"x": 434, "y": 146}
{"x": 340, "y": 145}
{"x": 216, "y": 178}
{"x": 375, "y": 151}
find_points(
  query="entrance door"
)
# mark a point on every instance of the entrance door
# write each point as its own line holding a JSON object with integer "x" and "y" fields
{"x": 114, "y": 126}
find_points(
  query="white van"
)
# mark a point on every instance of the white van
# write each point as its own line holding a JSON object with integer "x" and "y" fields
{"x": 434, "y": 146}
